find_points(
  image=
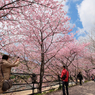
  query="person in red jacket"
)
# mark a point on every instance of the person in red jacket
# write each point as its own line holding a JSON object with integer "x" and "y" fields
{"x": 65, "y": 81}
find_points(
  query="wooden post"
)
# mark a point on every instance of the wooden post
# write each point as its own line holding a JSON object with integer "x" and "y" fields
{"x": 33, "y": 89}
{"x": 59, "y": 82}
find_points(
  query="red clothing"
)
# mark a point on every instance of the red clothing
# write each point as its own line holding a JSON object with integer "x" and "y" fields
{"x": 64, "y": 71}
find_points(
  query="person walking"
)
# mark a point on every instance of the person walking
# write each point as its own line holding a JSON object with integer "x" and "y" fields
{"x": 5, "y": 65}
{"x": 80, "y": 77}
{"x": 92, "y": 77}
{"x": 65, "y": 80}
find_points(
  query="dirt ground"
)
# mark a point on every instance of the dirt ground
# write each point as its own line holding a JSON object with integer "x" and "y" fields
{"x": 86, "y": 89}
{"x": 19, "y": 93}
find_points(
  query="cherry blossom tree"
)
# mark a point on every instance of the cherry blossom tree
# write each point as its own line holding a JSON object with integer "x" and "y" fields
{"x": 88, "y": 64}
{"x": 39, "y": 31}
{"x": 9, "y": 7}
{"x": 39, "y": 35}
{"x": 69, "y": 56}
{"x": 71, "y": 50}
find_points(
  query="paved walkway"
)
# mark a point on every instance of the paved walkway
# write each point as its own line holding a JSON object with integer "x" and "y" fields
{"x": 86, "y": 89}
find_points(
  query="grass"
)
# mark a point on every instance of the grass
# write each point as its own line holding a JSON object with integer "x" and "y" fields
{"x": 86, "y": 81}
{"x": 51, "y": 90}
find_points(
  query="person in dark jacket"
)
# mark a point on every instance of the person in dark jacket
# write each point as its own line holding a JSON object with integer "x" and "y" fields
{"x": 80, "y": 77}
{"x": 65, "y": 81}
{"x": 92, "y": 77}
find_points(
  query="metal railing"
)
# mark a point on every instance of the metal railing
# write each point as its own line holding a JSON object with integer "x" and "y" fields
{"x": 24, "y": 81}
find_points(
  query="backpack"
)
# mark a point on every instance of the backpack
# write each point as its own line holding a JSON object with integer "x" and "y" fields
{"x": 64, "y": 77}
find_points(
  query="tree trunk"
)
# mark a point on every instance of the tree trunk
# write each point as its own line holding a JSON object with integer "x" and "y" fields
{"x": 42, "y": 65}
{"x": 41, "y": 76}
{"x": 76, "y": 76}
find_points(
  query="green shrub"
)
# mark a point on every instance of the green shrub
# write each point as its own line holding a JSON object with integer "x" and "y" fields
{"x": 12, "y": 77}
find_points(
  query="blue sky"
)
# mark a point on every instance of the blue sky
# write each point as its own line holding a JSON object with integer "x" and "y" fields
{"x": 82, "y": 14}
{"x": 73, "y": 14}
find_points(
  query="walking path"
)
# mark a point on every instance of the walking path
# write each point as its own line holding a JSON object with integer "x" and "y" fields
{"x": 86, "y": 89}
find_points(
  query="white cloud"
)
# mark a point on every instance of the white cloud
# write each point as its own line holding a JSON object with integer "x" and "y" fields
{"x": 81, "y": 31}
{"x": 86, "y": 11}
{"x": 87, "y": 14}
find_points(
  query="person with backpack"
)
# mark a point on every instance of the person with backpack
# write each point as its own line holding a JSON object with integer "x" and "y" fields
{"x": 80, "y": 77}
{"x": 65, "y": 80}
{"x": 93, "y": 77}
{"x": 5, "y": 70}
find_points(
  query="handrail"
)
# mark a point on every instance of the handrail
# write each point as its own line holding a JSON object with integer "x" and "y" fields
{"x": 27, "y": 84}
